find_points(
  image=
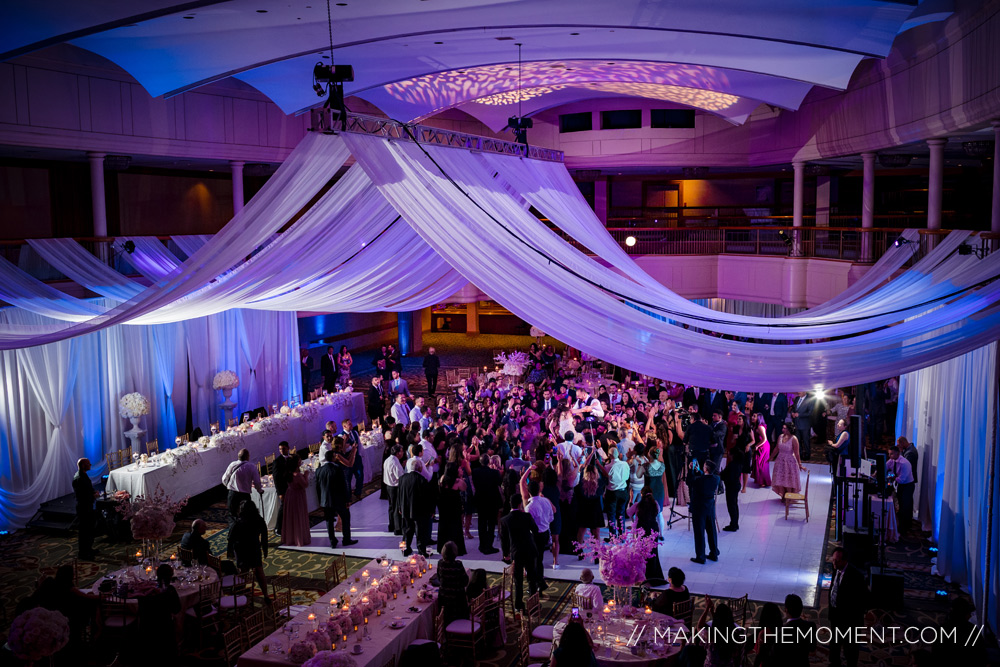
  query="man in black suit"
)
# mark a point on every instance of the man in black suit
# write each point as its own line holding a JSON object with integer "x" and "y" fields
{"x": 328, "y": 367}
{"x": 719, "y": 429}
{"x": 518, "y": 538}
{"x": 334, "y": 494}
{"x": 352, "y": 443}
{"x": 486, "y": 482}
{"x": 548, "y": 402}
{"x": 692, "y": 395}
{"x": 432, "y": 364}
{"x": 86, "y": 517}
{"x": 704, "y": 488}
{"x": 798, "y": 639}
{"x": 307, "y": 369}
{"x": 802, "y": 419}
{"x": 848, "y": 604}
{"x": 775, "y": 411}
{"x": 281, "y": 474}
{"x": 698, "y": 438}
{"x": 376, "y": 400}
{"x": 717, "y": 401}
{"x": 416, "y": 507}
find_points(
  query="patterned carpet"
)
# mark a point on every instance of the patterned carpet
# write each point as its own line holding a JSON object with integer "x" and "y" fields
{"x": 26, "y": 555}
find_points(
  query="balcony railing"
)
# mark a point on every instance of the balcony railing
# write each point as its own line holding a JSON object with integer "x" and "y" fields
{"x": 735, "y": 216}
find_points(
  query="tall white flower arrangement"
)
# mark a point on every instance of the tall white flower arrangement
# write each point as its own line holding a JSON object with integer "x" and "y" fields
{"x": 133, "y": 405}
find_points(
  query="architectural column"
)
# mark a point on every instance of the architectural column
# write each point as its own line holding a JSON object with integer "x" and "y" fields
{"x": 237, "y": 168}
{"x": 97, "y": 194}
{"x": 995, "y": 216}
{"x": 472, "y": 318}
{"x": 824, "y": 193}
{"x": 867, "y": 205}
{"x": 798, "y": 193}
{"x": 601, "y": 199}
{"x": 935, "y": 182}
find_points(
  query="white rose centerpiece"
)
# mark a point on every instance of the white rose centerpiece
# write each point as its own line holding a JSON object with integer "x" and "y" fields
{"x": 133, "y": 405}
{"x": 225, "y": 380}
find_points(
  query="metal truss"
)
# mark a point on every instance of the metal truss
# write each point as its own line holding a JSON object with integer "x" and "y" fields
{"x": 326, "y": 120}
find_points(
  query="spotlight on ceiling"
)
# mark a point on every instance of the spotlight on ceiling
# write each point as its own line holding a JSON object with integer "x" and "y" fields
{"x": 630, "y": 241}
{"x": 900, "y": 242}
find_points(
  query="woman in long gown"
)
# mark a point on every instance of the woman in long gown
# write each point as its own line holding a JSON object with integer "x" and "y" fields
{"x": 295, "y": 521}
{"x": 344, "y": 361}
{"x": 734, "y": 436}
{"x": 450, "y": 511}
{"x": 762, "y": 453}
{"x": 785, "y": 475}
{"x": 646, "y": 520}
{"x": 566, "y": 423}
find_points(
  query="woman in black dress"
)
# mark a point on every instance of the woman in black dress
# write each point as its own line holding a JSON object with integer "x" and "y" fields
{"x": 645, "y": 513}
{"x": 450, "y": 511}
{"x": 590, "y": 494}
{"x": 453, "y": 581}
{"x": 676, "y": 592}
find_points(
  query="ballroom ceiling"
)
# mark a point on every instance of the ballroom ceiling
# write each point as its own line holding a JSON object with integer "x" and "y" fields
{"x": 414, "y": 58}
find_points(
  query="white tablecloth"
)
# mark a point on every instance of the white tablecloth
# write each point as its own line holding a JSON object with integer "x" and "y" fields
{"x": 214, "y": 461}
{"x": 614, "y": 648}
{"x": 385, "y": 644}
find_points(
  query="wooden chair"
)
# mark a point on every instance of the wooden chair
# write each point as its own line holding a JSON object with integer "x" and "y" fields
{"x": 269, "y": 463}
{"x": 205, "y": 612}
{"x": 185, "y": 437}
{"x": 314, "y": 448}
{"x": 533, "y": 610}
{"x": 796, "y": 499}
{"x": 739, "y": 607}
{"x": 331, "y": 576}
{"x": 583, "y": 602}
{"x": 541, "y": 648}
{"x": 684, "y": 611}
{"x": 232, "y": 644}
{"x": 114, "y": 460}
{"x": 508, "y": 587}
{"x": 153, "y": 447}
{"x": 438, "y": 633}
{"x": 523, "y": 648}
{"x": 253, "y": 628}
{"x": 339, "y": 568}
{"x": 215, "y": 563}
{"x": 467, "y": 633}
{"x": 186, "y": 555}
{"x": 115, "y": 615}
{"x": 493, "y": 612}
{"x": 214, "y": 425}
{"x": 239, "y": 598}
{"x": 232, "y": 421}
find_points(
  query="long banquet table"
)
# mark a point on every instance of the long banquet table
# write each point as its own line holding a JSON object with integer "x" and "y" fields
{"x": 384, "y": 643}
{"x": 213, "y": 461}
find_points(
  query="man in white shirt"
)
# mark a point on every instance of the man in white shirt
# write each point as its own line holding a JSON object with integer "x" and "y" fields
{"x": 326, "y": 445}
{"x": 400, "y": 412}
{"x": 542, "y": 511}
{"x": 428, "y": 455}
{"x": 588, "y": 589}
{"x": 392, "y": 470}
{"x": 418, "y": 410}
{"x": 618, "y": 472}
{"x": 240, "y": 477}
{"x": 903, "y": 471}
{"x": 417, "y": 454}
{"x": 587, "y": 408}
{"x": 398, "y": 385}
{"x": 625, "y": 443}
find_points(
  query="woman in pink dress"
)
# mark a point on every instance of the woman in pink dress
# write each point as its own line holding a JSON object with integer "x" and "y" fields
{"x": 295, "y": 522}
{"x": 785, "y": 475}
{"x": 762, "y": 453}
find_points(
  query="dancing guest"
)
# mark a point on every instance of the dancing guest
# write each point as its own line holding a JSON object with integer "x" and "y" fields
{"x": 802, "y": 416}
{"x": 674, "y": 593}
{"x": 776, "y": 411}
{"x": 239, "y": 479}
{"x": 733, "y": 474}
{"x": 588, "y": 589}
{"x": 247, "y": 541}
{"x": 739, "y": 432}
{"x": 392, "y": 471}
{"x": 645, "y": 516}
{"x": 703, "y": 491}
{"x": 551, "y": 489}
{"x": 543, "y": 512}
{"x": 785, "y": 473}
{"x": 618, "y": 473}
{"x": 344, "y": 362}
{"x": 719, "y": 431}
{"x": 416, "y": 507}
{"x": 762, "y": 452}
{"x": 518, "y": 541}
{"x": 376, "y": 400}
{"x": 328, "y": 367}
{"x": 334, "y": 493}
{"x": 400, "y": 411}
{"x": 655, "y": 473}
{"x": 450, "y": 512}
{"x": 699, "y": 438}
{"x": 383, "y": 364}
{"x": 195, "y": 542}
{"x": 417, "y": 412}
{"x": 307, "y": 369}
{"x": 432, "y": 364}
{"x": 589, "y": 493}
{"x": 295, "y": 523}
{"x": 398, "y": 386}
{"x": 486, "y": 481}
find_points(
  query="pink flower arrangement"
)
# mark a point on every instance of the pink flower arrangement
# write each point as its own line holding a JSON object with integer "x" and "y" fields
{"x": 153, "y": 517}
{"x": 331, "y": 659}
{"x": 121, "y": 496}
{"x": 319, "y": 638}
{"x": 357, "y": 615}
{"x": 301, "y": 651}
{"x": 339, "y": 625}
{"x": 623, "y": 559}
{"x": 38, "y": 633}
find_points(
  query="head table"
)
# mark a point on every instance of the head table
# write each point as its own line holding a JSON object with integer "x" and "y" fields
{"x": 412, "y": 616}
{"x": 198, "y": 473}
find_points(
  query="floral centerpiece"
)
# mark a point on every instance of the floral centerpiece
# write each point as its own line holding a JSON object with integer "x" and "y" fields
{"x": 228, "y": 441}
{"x": 301, "y": 651}
{"x": 133, "y": 405}
{"x": 339, "y": 625}
{"x": 38, "y": 633}
{"x": 331, "y": 659}
{"x": 152, "y": 519}
{"x": 622, "y": 560}
{"x": 204, "y": 441}
{"x": 285, "y": 410}
{"x": 267, "y": 426}
{"x": 183, "y": 458}
{"x": 513, "y": 363}
{"x": 320, "y": 638}
{"x": 306, "y": 411}
{"x": 225, "y": 380}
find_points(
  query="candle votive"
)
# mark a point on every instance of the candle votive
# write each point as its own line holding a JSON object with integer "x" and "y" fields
{"x": 378, "y": 612}
{"x": 345, "y": 638}
{"x": 648, "y": 610}
{"x": 402, "y": 545}
{"x": 366, "y": 620}
{"x": 354, "y": 589}
{"x": 364, "y": 600}
{"x": 395, "y": 569}
{"x": 333, "y": 646}
{"x": 365, "y": 574}
{"x": 607, "y": 610}
{"x": 394, "y": 595}
{"x": 355, "y": 628}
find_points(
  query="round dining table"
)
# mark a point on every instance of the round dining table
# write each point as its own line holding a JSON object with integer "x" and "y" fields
{"x": 187, "y": 580}
{"x": 629, "y": 640}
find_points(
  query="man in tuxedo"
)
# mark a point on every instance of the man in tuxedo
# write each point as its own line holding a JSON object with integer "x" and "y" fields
{"x": 802, "y": 421}
{"x": 549, "y": 402}
{"x": 717, "y": 400}
{"x": 719, "y": 429}
{"x": 691, "y": 397}
{"x": 86, "y": 517}
{"x": 398, "y": 385}
{"x": 328, "y": 367}
{"x": 486, "y": 482}
{"x": 848, "y": 604}
{"x": 416, "y": 507}
{"x": 799, "y": 639}
{"x": 587, "y": 408}
{"x": 392, "y": 472}
{"x": 307, "y": 369}
{"x": 282, "y": 473}
{"x": 432, "y": 364}
{"x": 352, "y": 443}
{"x": 775, "y": 410}
{"x": 400, "y": 410}
{"x": 519, "y": 542}
{"x": 698, "y": 437}
{"x": 376, "y": 400}
{"x": 704, "y": 488}
{"x": 334, "y": 495}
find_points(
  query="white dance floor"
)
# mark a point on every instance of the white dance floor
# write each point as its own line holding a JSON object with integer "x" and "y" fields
{"x": 768, "y": 557}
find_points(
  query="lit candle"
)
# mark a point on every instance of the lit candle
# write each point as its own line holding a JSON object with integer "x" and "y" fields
{"x": 611, "y": 603}
{"x": 411, "y": 579}
{"x": 607, "y": 610}
{"x": 394, "y": 595}
{"x": 355, "y": 628}
{"x": 402, "y": 545}
{"x": 385, "y": 563}
{"x": 333, "y": 603}
{"x": 378, "y": 612}
{"x": 345, "y": 639}
{"x": 366, "y": 620}
{"x": 354, "y": 589}
{"x": 138, "y": 554}
{"x": 149, "y": 570}
{"x": 311, "y": 617}
{"x": 430, "y": 565}
{"x": 395, "y": 569}
{"x": 364, "y": 600}
{"x": 413, "y": 561}
{"x": 347, "y": 607}
{"x": 333, "y": 646}
{"x": 365, "y": 574}
{"x": 648, "y": 610}
{"x": 173, "y": 556}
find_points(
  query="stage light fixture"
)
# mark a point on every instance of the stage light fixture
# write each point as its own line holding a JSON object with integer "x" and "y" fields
{"x": 968, "y": 249}
{"x": 630, "y": 241}
{"x": 900, "y": 242}
{"x": 329, "y": 79}
{"x": 785, "y": 238}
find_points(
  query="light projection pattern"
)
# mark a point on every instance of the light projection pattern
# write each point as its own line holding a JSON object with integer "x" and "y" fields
{"x": 695, "y": 85}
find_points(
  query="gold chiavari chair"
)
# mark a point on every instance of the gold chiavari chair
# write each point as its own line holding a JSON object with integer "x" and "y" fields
{"x": 508, "y": 587}
{"x": 468, "y": 632}
{"x": 253, "y": 628}
{"x": 340, "y": 567}
{"x": 314, "y": 448}
{"x": 114, "y": 460}
{"x": 205, "y": 611}
{"x": 533, "y": 610}
{"x": 214, "y": 425}
{"x": 269, "y": 463}
{"x": 232, "y": 644}
{"x": 739, "y": 607}
{"x": 185, "y": 437}
{"x": 231, "y": 422}
{"x": 583, "y": 602}
{"x": 281, "y": 608}
{"x": 153, "y": 447}
{"x": 684, "y": 611}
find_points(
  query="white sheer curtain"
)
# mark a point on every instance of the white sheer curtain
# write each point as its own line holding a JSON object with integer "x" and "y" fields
{"x": 749, "y": 308}
{"x": 949, "y": 412}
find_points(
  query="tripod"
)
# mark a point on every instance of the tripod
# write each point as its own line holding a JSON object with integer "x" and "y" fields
{"x": 676, "y": 516}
